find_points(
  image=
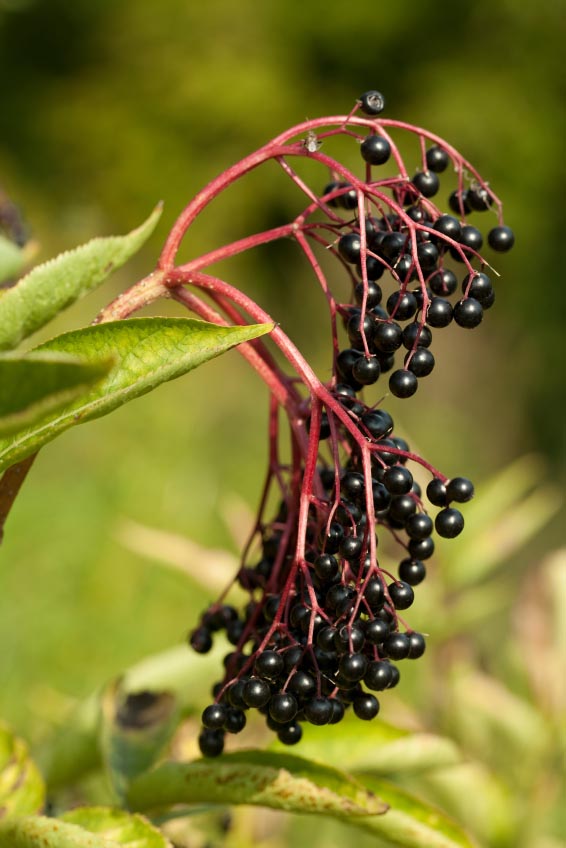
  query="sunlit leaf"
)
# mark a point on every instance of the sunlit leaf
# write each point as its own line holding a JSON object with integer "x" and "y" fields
{"x": 34, "y": 384}
{"x": 127, "y": 829}
{"x": 12, "y": 259}
{"x": 146, "y": 353}
{"x": 21, "y": 786}
{"x": 53, "y": 286}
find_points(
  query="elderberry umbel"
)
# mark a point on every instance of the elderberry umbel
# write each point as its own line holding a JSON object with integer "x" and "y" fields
{"x": 323, "y": 628}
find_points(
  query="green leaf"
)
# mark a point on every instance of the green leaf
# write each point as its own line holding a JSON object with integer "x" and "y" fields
{"x": 34, "y": 384}
{"x": 85, "y": 827}
{"x": 297, "y": 785}
{"x": 136, "y": 727}
{"x": 382, "y": 748}
{"x": 53, "y": 286}
{"x": 21, "y": 786}
{"x": 123, "y": 828}
{"x": 12, "y": 259}
{"x": 146, "y": 351}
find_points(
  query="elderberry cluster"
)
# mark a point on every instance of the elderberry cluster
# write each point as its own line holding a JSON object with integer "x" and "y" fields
{"x": 322, "y": 630}
{"x": 331, "y": 636}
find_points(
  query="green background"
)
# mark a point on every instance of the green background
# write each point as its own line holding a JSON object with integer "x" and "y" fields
{"x": 110, "y": 106}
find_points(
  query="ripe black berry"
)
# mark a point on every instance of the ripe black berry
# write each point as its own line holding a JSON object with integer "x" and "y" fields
{"x": 443, "y": 283}
{"x": 374, "y": 293}
{"x": 375, "y": 149}
{"x": 366, "y": 370}
{"x": 211, "y": 743}
{"x": 459, "y": 489}
{"x": 436, "y": 492}
{"x": 302, "y": 684}
{"x": 388, "y": 336}
{"x": 479, "y": 198}
{"x": 349, "y": 247}
{"x": 201, "y": 640}
{"x": 421, "y": 548}
{"x": 351, "y": 547}
{"x": 318, "y": 710}
{"x": 398, "y": 480}
{"x": 397, "y": 646}
{"x": 419, "y": 526}
{"x": 371, "y": 102}
{"x": 458, "y": 202}
{"x": 437, "y": 159}
{"x": 449, "y": 523}
{"x": 417, "y": 646}
{"x": 337, "y": 713}
{"x": 352, "y": 667}
{"x": 268, "y": 665}
{"x": 401, "y": 594}
{"x": 447, "y": 225}
{"x": 256, "y": 693}
{"x": 422, "y": 362}
{"x": 469, "y": 237}
{"x": 468, "y": 313}
{"x": 378, "y": 422}
{"x": 366, "y": 706}
{"x": 235, "y": 721}
{"x": 283, "y": 707}
{"x": 326, "y": 567}
{"x": 214, "y": 716}
{"x": 426, "y": 182}
{"x": 412, "y": 571}
{"x": 374, "y": 594}
{"x": 403, "y": 383}
{"x": 378, "y": 676}
{"x": 290, "y": 734}
{"x": 416, "y": 334}
{"x": 501, "y": 239}
{"x": 439, "y": 312}
{"x": 376, "y": 631}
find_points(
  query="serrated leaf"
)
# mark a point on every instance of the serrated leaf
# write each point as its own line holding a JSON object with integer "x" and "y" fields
{"x": 34, "y": 384}
{"x": 22, "y": 789}
{"x": 146, "y": 351}
{"x": 53, "y": 286}
{"x": 86, "y": 827}
{"x": 382, "y": 748}
{"x": 12, "y": 259}
{"x": 128, "y": 829}
{"x": 136, "y": 727}
{"x": 297, "y": 785}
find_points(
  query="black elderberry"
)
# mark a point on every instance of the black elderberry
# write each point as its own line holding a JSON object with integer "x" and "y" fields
{"x": 376, "y": 631}
{"x": 378, "y": 422}
{"x": 406, "y": 268}
{"x": 421, "y": 362}
{"x": 290, "y": 734}
{"x": 211, "y": 743}
{"x": 419, "y": 526}
{"x": 459, "y": 489}
{"x": 256, "y": 693}
{"x": 348, "y": 200}
{"x": 349, "y": 635}
{"x": 302, "y": 684}
{"x": 402, "y": 445}
{"x": 385, "y": 456}
{"x": 417, "y": 213}
{"x": 335, "y": 595}
{"x": 437, "y": 159}
{"x": 417, "y": 645}
{"x": 501, "y": 239}
{"x": 392, "y": 245}
{"x": 351, "y": 547}
{"x": 235, "y": 694}
{"x": 401, "y": 306}
{"x": 347, "y": 512}
{"x": 416, "y": 334}
{"x": 371, "y": 102}
{"x": 292, "y": 657}
{"x": 330, "y": 187}
{"x": 234, "y": 631}
{"x": 352, "y": 667}
{"x": 381, "y": 497}
{"x": 468, "y": 313}
{"x": 449, "y": 523}
{"x": 469, "y": 237}
{"x": 326, "y": 567}
{"x": 446, "y": 225}
{"x": 366, "y": 706}
{"x": 374, "y": 594}
{"x": 337, "y": 713}
{"x": 426, "y": 182}
{"x": 349, "y": 246}
{"x": 427, "y": 254}
{"x": 352, "y": 483}
{"x": 374, "y": 294}
{"x": 443, "y": 283}
{"x": 325, "y": 636}
{"x": 333, "y": 538}
{"x": 479, "y": 198}
{"x": 401, "y": 594}
{"x": 419, "y": 296}
{"x": 412, "y": 571}
{"x": 458, "y": 202}
{"x": 375, "y": 150}
{"x": 421, "y": 548}
{"x": 403, "y": 384}
{"x": 268, "y": 665}
{"x": 397, "y": 646}
{"x": 401, "y": 508}
{"x": 214, "y": 716}
{"x": 299, "y": 614}
{"x": 374, "y": 268}
{"x": 344, "y": 364}
{"x": 378, "y": 676}
{"x": 283, "y": 707}
{"x": 398, "y": 480}
{"x": 439, "y": 312}
{"x": 318, "y": 710}
{"x": 395, "y": 676}
{"x": 235, "y": 721}
{"x": 436, "y": 492}
{"x": 366, "y": 370}
{"x": 354, "y": 330}
{"x": 201, "y": 640}
{"x": 480, "y": 287}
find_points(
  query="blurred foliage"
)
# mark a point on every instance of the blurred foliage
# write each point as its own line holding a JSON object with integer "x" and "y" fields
{"x": 108, "y": 107}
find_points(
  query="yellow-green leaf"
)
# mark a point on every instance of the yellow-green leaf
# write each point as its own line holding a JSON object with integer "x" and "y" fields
{"x": 21, "y": 786}
{"x": 53, "y": 286}
{"x": 146, "y": 352}
{"x": 126, "y": 829}
{"x": 12, "y": 259}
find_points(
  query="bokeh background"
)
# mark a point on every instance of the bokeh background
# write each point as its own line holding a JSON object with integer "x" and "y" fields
{"x": 110, "y": 105}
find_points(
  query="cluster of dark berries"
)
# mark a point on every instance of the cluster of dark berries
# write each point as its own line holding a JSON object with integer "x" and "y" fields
{"x": 322, "y": 631}
{"x": 411, "y": 244}
{"x": 323, "y": 635}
